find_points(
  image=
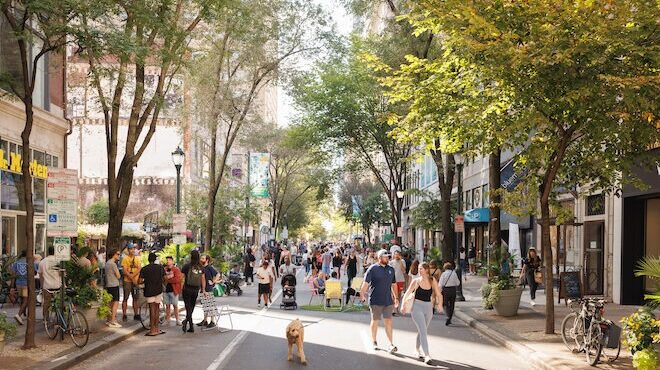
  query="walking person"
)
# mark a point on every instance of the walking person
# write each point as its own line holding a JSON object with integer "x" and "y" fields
{"x": 531, "y": 264}
{"x": 112, "y": 277}
{"x": 448, "y": 283}
{"x": 173, "y": 287}
{"x": 194, "y": 281}
{"x": 472, "y": 259}
{"x": 20, "y": 271}
{"x": 399, "y": 266}
{"x": 417, "y": 301}
{"x": 351, "y": 266}
{"x": 326, "y": 260}
{"x": 381, "y": 282}
{"x": 265, "y": 277}
{"x": 337, "y": 262}
{"x": 249, "y": 266}
{"x": 153, "y": 276}
{"x": 462, "y": 260}
{"x": 306, "y": 261}
{"x": 131, "y": 265}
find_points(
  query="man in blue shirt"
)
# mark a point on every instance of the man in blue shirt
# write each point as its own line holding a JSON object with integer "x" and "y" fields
{"x": 381, "y": 282}
{"x": 19, "y": 269}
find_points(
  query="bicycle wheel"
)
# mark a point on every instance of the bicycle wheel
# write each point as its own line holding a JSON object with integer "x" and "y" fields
{"x": 145, "y": 315}
{"x": 611, "y": 354}
{"x": 568, "y": 326}
{"x": 594, "y": 345}
{"x": 78, "y": 329}
{"x": 51, "y": 323}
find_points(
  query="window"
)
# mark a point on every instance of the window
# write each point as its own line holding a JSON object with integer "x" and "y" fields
{"x": 12, "y": 192}
{"x": 55, "y": 161}
{"x": 484, "y": 194}
{"x": 39, "y": 194}
{"x": 596, "y": 205}
{"x": 477, "y": 197}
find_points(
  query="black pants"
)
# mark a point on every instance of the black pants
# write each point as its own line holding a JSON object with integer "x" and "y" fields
{"x": 529, "y": 275}
{"x": 249, "y": 275}
{"x": 189, "y": 300}
{"x": 351, "y": 275}
{"x": 449, "y": 300}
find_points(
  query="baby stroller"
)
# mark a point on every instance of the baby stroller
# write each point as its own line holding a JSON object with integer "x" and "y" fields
{"x": 289, "y": 292}
{"x": 233, "y": 282}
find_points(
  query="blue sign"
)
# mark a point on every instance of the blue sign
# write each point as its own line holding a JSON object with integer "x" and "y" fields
{"x": 52, "y": 218}
{"x": 509, "y": 177}
{"x": 477, "y": 215}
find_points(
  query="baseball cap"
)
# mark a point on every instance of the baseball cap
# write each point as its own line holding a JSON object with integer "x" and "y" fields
{"x": 383, "y": 252}
{"x": 129, "y": 246}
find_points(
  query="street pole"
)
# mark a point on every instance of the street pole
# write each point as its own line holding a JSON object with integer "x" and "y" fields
{"x": 247, "y": 206}
{"x": 461, "y": 243}
{"x": 178, "y": 204}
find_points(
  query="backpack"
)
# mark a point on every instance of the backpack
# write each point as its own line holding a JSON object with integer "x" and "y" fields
{"x": 193, "y": 277}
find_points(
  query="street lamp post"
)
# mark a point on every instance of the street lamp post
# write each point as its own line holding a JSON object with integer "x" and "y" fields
{"x": 177, "y": 158}
{"x": 460, "y": 242}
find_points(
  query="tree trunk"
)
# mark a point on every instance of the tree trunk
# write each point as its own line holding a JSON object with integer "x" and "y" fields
{"x": 119, "y": 197}
{"x": 446, "y": 172}
{"x": 29, "y": 223}
{"x": 547, "y": 262}
{"x": 494, "y": 183}
{"x": 210, "y": 207}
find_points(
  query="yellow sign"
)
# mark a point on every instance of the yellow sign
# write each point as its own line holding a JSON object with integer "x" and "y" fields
{"x": 15, "y": 162}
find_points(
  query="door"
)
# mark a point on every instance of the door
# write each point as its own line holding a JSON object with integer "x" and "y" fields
{"x": 594, "y": 247}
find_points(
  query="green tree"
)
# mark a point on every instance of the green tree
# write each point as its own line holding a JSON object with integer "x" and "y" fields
{"x": 587, "y": 72}
{"x": 372, "y": 207}
{"x": 37, "y": 30}
{"x": 345, "y": 112}
{"x": 98, "y": 212}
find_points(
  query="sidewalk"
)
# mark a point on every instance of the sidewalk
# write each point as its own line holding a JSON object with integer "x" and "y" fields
{"x": 57, "y": 354}
{"x": 525, "y": 334}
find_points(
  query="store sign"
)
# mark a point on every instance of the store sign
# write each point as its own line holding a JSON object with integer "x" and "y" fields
{"x": 459, "y": 224}
{"x": 179, "y": 239}
{"x": 15, "y": 162}
{"x": 179, "y": 223}
{"x": 62, "y": 203}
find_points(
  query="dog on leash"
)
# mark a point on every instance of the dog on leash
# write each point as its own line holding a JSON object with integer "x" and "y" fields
{"x": 295, "y": 334}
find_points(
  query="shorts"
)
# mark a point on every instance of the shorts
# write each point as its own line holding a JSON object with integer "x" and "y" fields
{"x": 264, "y": 288}
{"x": 22, "y": 291}
{"x": 171, "y": 298}
{"x": 114, "y": 292}
{"x": 381, "y": 312}
{"x": 128, "y": 289}
{"x": 472, "y": 260}
{"x": 155, "y": 299}
{"x": 400, "y": 286}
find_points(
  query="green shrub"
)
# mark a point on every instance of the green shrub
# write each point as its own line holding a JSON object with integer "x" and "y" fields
{"x": 7, "y": 327}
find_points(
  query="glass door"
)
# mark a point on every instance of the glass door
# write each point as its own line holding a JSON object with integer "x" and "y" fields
{"x": 594, "y": 247}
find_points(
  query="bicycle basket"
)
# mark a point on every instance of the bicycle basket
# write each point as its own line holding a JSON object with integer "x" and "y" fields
{"x": 613, "y": 335}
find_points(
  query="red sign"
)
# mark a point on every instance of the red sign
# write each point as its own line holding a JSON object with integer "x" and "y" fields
{"x": 459, "y": 224}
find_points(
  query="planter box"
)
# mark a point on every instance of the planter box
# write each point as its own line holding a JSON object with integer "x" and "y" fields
{"x": 93, "y": 322}
{"x": 509, "y": 301}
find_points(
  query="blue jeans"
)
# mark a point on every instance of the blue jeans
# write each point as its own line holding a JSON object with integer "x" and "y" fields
{"x": 326, "y": 269}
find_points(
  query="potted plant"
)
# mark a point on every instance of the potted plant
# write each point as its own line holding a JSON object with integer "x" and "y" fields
{"x": 641, "y": 331}
{"x": 7, "y": 330}
{"x": 503, "y": 294}
{"x": 89, "y": 300}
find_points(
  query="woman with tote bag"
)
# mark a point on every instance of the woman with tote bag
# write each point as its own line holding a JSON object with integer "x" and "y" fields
{"x": 417, "y": 302}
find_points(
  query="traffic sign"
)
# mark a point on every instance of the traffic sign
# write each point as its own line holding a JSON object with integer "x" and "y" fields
{"x": 459, "y": 224}
{"x": 62, "y": 246}
{"x": 62, "y": 202}
{"x": 179, "y": 223}
{"x": 179, "y": 239}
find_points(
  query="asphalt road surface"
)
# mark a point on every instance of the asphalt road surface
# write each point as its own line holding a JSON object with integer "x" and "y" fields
{"x": 333, "y": 341}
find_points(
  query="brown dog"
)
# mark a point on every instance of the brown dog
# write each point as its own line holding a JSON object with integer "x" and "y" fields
{"x": 295, "y": 334}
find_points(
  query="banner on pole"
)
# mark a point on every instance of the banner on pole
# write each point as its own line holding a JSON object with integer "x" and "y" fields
{"x": 259, "y": 174}
{"x": 356, "y": 200}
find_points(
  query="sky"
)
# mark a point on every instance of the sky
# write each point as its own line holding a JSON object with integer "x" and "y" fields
{"x": 344, "y": 24}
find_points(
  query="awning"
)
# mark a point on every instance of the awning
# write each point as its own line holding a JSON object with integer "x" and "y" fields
{"x": 477, "y": 215}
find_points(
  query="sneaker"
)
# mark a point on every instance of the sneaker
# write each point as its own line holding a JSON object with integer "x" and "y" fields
{"x": 185, "y": 324}
{"x": 203, "y": 323}
{"x": 178, "y": 323}
{"x": 124, "y": 318}
{"x": 191, "y": 329}
{"x": 18, "y": 319}
{"x": 210, "y": 325}
{"x": 419, "y": 354}
{"x": 258, "y": 305}
{"x": 115, "y": 325}
{"x": 137, "y": 318}
{"x": 532, "y": 303}
{"x": 393, "y": 348}
{"x": 375, "y": 346}
{"x": 427, "y": 360}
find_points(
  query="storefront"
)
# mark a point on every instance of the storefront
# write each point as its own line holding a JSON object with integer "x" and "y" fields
{"x": 641, "y": 232}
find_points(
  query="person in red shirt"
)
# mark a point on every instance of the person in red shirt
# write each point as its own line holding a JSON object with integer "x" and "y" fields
{"x": 173, "y": 281}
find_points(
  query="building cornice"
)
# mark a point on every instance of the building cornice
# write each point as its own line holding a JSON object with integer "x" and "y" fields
{"x": 42, "y": 119}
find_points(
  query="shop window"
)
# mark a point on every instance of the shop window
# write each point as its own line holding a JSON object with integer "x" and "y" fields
{"x": 596, "y": 205}
{"x": 4, "y": 146}
{"x": 55, "y": 161}
{"x": 49, "y": 160}
{"x": 39, "y": 195}
{"x": 484, "y": 194}
{"x": 12, "y": 192}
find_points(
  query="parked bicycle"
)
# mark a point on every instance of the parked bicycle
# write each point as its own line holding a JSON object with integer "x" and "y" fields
{"x": 69, "y": 321}
{"x": 585, "y": 330}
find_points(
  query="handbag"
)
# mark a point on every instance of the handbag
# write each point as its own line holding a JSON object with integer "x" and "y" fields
{"x": 408, "y": 301}
{"x": 538, "y": 277}
{"x": 218, "y": 290}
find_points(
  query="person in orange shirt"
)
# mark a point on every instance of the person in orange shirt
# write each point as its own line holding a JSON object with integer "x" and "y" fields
{"x": 131, "y": 265}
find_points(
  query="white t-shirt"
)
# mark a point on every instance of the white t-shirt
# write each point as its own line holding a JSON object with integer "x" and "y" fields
{"x": 394, "y": 248}
{"x": 399, "y": 267}
{"x": 264, "y": 275}
{"x": 51, "y": 277}
{"x": 449, "y": 279}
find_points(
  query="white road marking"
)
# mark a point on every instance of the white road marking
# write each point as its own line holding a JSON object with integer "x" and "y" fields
{"x": 229, "y": 350}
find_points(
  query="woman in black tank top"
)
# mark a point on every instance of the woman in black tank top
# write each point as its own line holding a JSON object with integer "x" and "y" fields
{"x": 423, "y": 294}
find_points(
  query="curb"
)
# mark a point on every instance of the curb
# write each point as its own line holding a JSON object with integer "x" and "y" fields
{"x": 538, "y": 360}
{"x": 70, "y": 359}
